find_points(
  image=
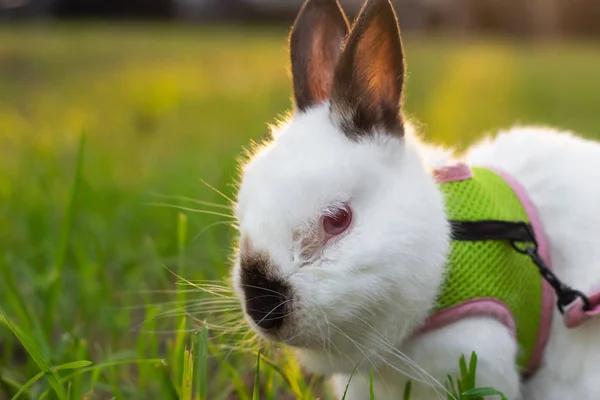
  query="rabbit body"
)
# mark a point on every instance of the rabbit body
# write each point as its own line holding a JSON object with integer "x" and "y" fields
{"x": 344, "y": 237}
{"x": 554, "y": 167}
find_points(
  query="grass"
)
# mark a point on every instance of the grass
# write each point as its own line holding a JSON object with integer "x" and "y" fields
{"x": 99, "y": 123}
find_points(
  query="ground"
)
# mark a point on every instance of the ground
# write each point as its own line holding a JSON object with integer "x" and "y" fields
{"x": 86, "y": 253}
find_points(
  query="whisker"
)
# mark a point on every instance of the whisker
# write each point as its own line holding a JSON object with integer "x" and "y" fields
{"x": 390, "y": 347}
{"x": 207, "y": 281}
{"x": 200, "y": 287}
{"x": 190, "y": 302}
{"x": 421, "y": 377}
{"x": 160, "y": 291}
{"x": 360, "y": 347}
{"x": 214, "y": 306}
{"x": 192, "y": 200}
{"x": 263, "y": 288}
{"x": 194, "y": 210}
{"x": 424, "y": 376}
{"x": 207, "y": 307}
{"x": 217, "y": 191}
{"x": 206, "y": 285}
{"x": 198, "y": 312}
{"x": 401, "y": 356}
{"x": 327, "y": 340}
{"x": 296, "y": 335}
{"x": 204, "y": 230}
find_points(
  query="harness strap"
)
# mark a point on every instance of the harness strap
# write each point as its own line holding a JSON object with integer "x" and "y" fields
{"x": 575, "y": 306}
{"x": 491, "y": 230}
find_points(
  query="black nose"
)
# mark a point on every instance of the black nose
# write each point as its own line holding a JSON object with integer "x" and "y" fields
{"x": 267, "y": 298}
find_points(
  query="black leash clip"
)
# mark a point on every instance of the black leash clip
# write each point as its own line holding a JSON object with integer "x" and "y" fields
{"x": 522, "y": 238}
{"x": 564, "y": 293}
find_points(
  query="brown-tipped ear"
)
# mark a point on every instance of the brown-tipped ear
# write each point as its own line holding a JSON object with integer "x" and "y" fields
{"x": 315, "y": 45}
{"x": 367, "y": 90}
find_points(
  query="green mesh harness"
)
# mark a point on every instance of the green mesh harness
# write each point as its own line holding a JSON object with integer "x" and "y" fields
{"x": 485, "y": 276}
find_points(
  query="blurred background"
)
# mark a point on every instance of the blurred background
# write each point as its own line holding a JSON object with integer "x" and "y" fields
{"x": 522, "y": 17}
{"x": 121, "y": 126}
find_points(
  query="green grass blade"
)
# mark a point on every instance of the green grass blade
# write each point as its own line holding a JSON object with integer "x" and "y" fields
{"x": 72, "y": 365}
{"x": 55, "y": 281}
{"x": 464, "y": 372}
{"x": 349, "y": 379}
{"x": 462, "y": 380}
{"x": 27, "y": 385}
{"x": 256, "y": 391}
{"x": 277, "y": 369}
{"x": 472, "y": 372}
{"x": 407, "y": 390}
{"x": 182, "y": 232}
{"x": 179, "y": 351}
{"x": 23, "y": 311}
{"x": 371, "y": 390}
{"x": 169, "y": 389}
{"x": 80, "y": 352}
{"x": 269, "y": 385}
{"x": 102, "y": 366}
{"x": 33, "y": 350}
{"x": 187, "y": 379}
{"x": 452, "y": 389}
{"x": 483, "y": 392}
{"x": 180, "y": 337}
{"x": 202, "y": 378}
{"x": 147, "y": 345}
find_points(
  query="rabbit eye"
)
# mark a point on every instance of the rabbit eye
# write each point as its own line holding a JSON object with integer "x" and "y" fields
{"x": 338, "y": 221}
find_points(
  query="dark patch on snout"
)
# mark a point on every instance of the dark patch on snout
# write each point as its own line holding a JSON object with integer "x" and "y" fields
{"x": 266, "y": 294}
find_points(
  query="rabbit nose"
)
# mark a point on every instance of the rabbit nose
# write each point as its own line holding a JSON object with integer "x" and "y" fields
{"x": 267, "y": 298}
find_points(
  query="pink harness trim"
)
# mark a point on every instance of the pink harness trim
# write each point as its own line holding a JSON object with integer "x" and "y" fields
{"x": 544, "y": 251}
{"x": 575, "y": 315}
{"x": 493, "y": 308}
{"x": 482, "y": 307}
{"x": 452, "y": 173}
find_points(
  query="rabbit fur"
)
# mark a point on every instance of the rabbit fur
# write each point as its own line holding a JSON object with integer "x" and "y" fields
{"x": 354, "y": 299}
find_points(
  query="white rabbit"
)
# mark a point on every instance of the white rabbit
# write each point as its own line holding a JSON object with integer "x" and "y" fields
{"x": 345, "y": 238}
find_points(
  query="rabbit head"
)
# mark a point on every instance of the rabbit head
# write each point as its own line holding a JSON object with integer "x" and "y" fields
{"x": 343, "y": 235}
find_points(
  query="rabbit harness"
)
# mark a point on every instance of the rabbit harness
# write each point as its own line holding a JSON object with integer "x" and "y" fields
{"x": 499, "y": 264}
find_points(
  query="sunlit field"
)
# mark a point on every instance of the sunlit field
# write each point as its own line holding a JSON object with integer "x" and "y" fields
{"x": 118, "y": 159}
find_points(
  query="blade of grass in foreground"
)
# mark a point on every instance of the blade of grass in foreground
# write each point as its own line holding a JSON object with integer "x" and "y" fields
{"x": 37, "y": 377}
{"x": 349, "y": 379}
{"x": 187, "y": 374}
{"x": 27, "y": 385}
{"x": 407, "y": 390}
{"x": 147, "y": 344}
{"x": 483, "y": 392}
{"x": 371, "y": 390}
{"x": 23, "y": 313}
{"x": 178, "y": 351}
{"x": 63, "y": 242}
{"x": 256, "y": 391}
{"x": 36, "y": 355}
{"x": 99, "y": 367}
{"x": 282, "y": 373}
{"x": 202, "y": 363}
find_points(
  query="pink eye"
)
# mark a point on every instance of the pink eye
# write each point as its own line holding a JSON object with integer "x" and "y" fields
{"x": 338, "y": 221}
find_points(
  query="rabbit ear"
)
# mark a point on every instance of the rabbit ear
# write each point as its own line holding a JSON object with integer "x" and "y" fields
{"x": 369, "y": 77}
{"x": 315, "y": 45}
